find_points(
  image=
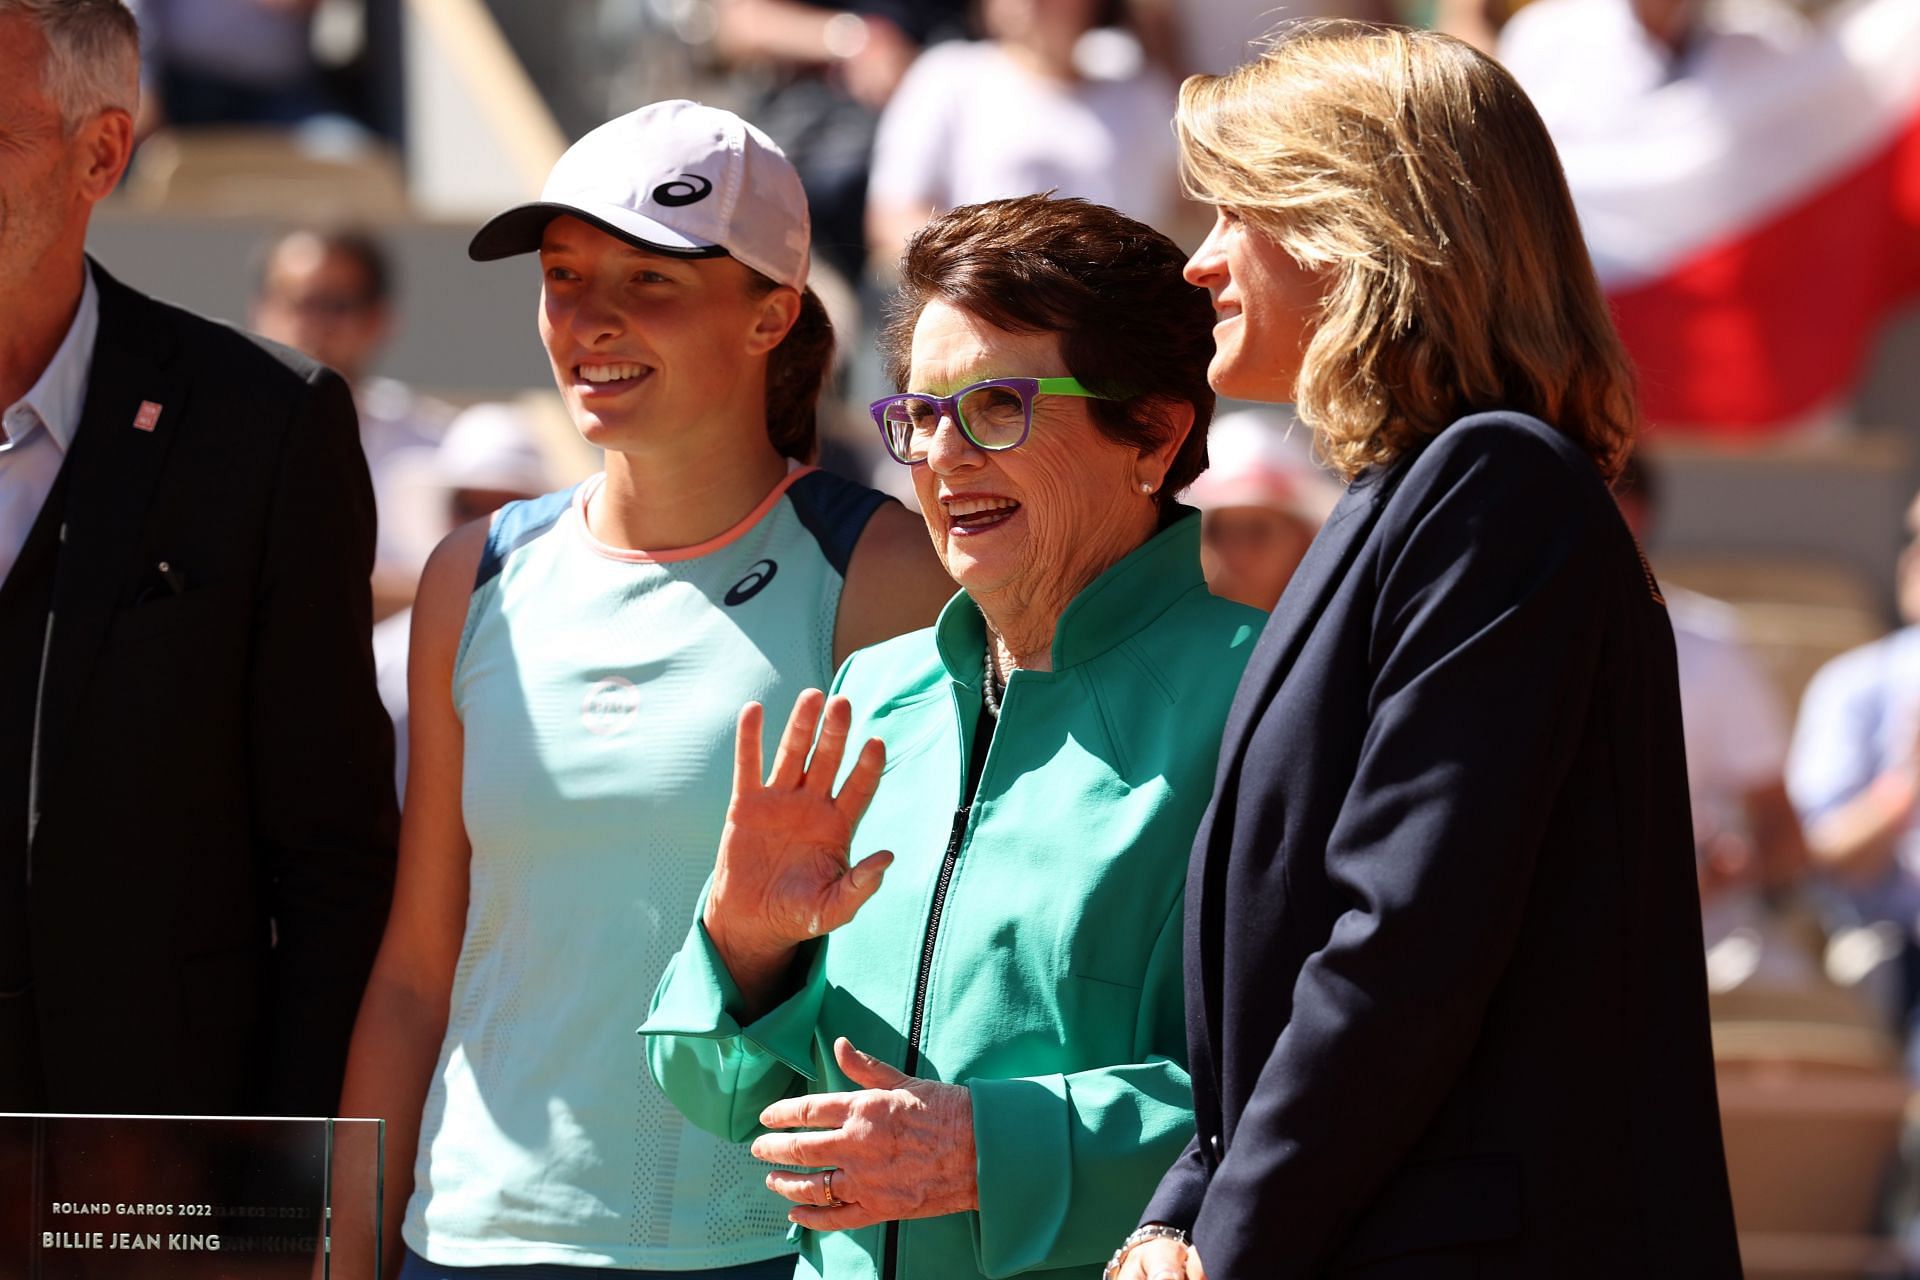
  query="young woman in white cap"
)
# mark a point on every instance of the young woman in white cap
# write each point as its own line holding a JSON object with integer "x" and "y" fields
{"x": 577, "y": 665}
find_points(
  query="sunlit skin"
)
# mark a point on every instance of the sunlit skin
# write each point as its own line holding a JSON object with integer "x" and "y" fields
{"x": 661, "y": 361}
{"x": 1249, "y": 554}
{"x": 1069, "y": 502}
{"x": 36, "y": 195}
{"x": 1265, "y": 307}
{"x": 321, "y": 302}
{"x": 50, "y": 179}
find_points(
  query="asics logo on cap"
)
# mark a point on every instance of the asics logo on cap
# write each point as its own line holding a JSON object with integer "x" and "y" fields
{"x": 690, "y": 189}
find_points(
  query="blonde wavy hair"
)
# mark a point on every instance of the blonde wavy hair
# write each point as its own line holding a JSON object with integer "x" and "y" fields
{"x": 1412, "y": 172}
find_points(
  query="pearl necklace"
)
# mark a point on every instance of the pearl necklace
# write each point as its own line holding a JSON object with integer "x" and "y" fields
{"x": 990, "y": 686}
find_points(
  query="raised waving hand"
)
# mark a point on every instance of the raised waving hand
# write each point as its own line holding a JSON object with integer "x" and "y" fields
{"x": 783, "y": 876}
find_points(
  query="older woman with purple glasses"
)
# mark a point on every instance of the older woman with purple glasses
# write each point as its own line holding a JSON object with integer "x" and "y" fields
{"x": 942, "y": 969}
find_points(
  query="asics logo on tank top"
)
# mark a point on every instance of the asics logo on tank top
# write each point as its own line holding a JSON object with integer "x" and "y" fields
{"x": 610, "y": 707}
{"x": 689, "y": 188}
{"x": 753, "y": 584}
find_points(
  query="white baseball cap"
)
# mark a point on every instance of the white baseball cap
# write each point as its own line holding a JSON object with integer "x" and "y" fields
{"x": 1258, "y": 458}
{"x": 492, "y": 446}
{"x": 487, "y": 446}
{"x": 676, "y": 177}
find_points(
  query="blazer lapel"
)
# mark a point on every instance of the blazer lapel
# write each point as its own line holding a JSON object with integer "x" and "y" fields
{"x": 116, "y": 459}
{"x": 1322, "y": 569}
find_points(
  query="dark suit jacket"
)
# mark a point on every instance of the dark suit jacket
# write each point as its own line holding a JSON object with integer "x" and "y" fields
{"x": 1446, "y": 1001}
{"x": 213, "y": 817}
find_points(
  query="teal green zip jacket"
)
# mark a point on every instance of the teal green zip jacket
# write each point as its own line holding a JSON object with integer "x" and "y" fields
{"x": 1052, "y": 978}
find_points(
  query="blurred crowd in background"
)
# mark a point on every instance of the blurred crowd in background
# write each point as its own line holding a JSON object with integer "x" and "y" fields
{"x": 1748, "y": 175}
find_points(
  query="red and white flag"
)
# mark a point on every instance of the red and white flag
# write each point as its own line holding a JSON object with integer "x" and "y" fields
{"x": 1752, "y": 205}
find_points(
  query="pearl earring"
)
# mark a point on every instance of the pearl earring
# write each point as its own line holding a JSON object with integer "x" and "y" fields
{"x": 1146, "y": 486}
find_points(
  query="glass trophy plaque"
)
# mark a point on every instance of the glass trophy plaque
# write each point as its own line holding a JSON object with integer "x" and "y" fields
{"x": 188, "y": 1198}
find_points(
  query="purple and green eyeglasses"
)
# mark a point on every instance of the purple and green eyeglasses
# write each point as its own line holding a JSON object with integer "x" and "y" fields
{"x": 995, "y": 415}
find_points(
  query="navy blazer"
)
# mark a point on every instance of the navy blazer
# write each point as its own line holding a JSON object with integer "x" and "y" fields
{"x": 1446, "y": 999}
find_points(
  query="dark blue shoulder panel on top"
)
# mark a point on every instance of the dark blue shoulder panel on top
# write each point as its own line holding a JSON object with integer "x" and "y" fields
{"x": 518, "y": 524}
{"x": 835, "y": 511}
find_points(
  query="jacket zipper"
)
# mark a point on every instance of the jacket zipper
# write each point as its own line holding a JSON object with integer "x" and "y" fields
{"x": 890, "y": 1269}
{"x": 933, "y": 930}
{"x": 891, "y": 1262}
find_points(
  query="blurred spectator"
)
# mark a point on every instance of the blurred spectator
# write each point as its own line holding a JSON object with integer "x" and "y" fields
{"x": 832, "y": 69}
{"x": 1854, "y": 769}
{"x": 1738, "y": 170}
{"x": 1055, "y": 99}
{"x": 228, "y": 62}
{"x": 1478, "y": 22}
{"x": 329, "y": 294}
{"x": 1746, "y": 835}
{"x": 1264, "y": 499}
{"x": 1575, "y": 56}
{"x": 1212, "y": 37}
{"x": 489, "y": 457}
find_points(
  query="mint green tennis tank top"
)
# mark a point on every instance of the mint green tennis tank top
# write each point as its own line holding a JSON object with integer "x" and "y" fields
{"x": 598, "y": 690}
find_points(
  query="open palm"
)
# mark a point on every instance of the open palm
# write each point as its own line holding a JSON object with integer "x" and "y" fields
{"x": 783, "y": 875}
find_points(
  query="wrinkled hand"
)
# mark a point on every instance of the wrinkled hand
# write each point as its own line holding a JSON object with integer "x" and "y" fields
{"x": 899, "y": 1148}
{"x": 1161, "y": 1260}
{"x": 782, "y": 875}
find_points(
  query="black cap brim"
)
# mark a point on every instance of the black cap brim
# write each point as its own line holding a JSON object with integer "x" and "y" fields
{"x": 520, "y": 229}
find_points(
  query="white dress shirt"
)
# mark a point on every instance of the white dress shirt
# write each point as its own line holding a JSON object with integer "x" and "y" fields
{"x": 37, "y": 430}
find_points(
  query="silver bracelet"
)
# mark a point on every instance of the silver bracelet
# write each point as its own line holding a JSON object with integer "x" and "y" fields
{"x": 1152, "y": 1231}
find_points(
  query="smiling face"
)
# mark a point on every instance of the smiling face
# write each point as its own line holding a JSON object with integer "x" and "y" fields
{"x": 1265, "y": 309}
{"x": 649, "y": 349}
{"x": 1029, "y": 526}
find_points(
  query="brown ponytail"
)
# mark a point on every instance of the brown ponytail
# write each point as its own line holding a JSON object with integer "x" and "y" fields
{"x": 796, "y": 371}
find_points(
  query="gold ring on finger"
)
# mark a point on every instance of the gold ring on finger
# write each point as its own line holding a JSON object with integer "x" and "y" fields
{"x": 833, "y": 1201}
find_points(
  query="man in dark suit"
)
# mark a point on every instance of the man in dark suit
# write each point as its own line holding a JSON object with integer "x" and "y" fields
{"x": 196, "y": 811}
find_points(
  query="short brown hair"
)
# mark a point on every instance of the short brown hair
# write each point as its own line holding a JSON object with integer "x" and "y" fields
{"x": 1111, "y": 287}
{"x": 93, "y": 54}
{"x": 1413, "y": 170}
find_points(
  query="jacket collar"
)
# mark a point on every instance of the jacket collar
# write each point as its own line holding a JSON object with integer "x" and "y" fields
{"x": 1306, "y": 597}
{"x": 57, "y": 396}
{"x": 1118, "y": 604}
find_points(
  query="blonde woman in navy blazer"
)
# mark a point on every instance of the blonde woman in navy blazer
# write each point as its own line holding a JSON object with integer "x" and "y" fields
{"x": 1446, "y": 1007}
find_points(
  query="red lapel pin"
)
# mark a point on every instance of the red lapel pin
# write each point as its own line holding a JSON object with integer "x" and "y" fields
{"x": 148, "y": 417}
